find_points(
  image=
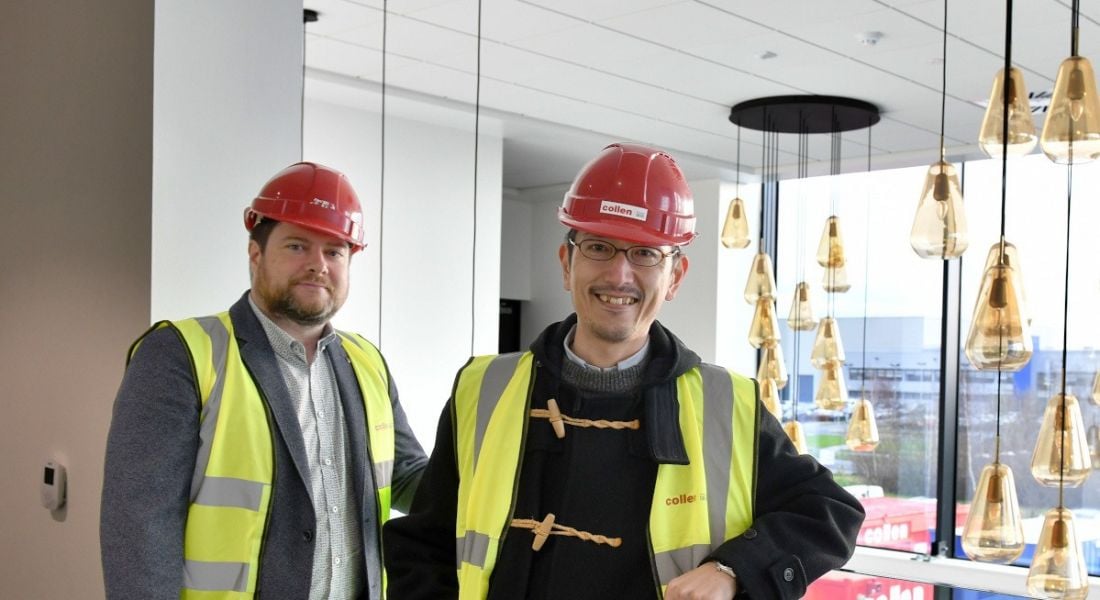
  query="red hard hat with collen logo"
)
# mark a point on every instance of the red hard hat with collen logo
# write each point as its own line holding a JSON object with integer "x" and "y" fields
{"x": 634, "y": 193}
{"x": 312, "y": 196}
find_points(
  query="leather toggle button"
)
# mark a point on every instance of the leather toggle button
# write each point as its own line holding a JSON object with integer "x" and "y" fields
{"x": 749, "y": 534}
{"x": 542, "y": 531}
{"x": 555, "y": 418}
{"x": 788, "y": 574}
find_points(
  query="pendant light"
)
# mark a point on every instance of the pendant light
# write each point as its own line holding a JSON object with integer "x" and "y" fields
{"x": 1058, "y": 567}
{"x": 794, "y": 430}
{"x": 1012, "y": 259}
{"x": 1009, "y": 94}
{"x": 765, "y": 325}
{"x": 939, "y": 228}
{"x": 769, "y": 396}
{"x": 836, "y": 281}
{"x": 1071, "y": 132}
{"x": 828, "y": 346}
{"x": 1061, "y": 455}
{"x": 993, "y": 531}
{"x": 830, "y": 250}
{"x": 735, "y": 230}
{"x": 761, "y": 283}
{"x": 772, "y": 365}
{"x": 1007, "y": 128}
{"x": 801, "y": 317}
{"x": 1095, "y": 396}
{"x": 862, "y": 429}
{"x": 999, "y": 335}
{"x": 832, "y": 391}
{"x": 862, "y": 434}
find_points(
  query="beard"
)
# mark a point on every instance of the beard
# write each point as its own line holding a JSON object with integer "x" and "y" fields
{"x": 282, "y": 302}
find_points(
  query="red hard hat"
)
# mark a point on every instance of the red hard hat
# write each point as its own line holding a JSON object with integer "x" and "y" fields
{"x": 313, "y": 196}
{"x": 632, "y": 193}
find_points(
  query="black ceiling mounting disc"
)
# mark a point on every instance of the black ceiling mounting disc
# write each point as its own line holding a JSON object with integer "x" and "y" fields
{"x": 809, "y": 113}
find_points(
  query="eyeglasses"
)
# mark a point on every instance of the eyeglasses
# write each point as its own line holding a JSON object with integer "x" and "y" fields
{"x": 642, "y": 256}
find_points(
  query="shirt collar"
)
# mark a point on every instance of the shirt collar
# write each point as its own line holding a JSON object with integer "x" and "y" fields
{"x": 626, "y": 363}
{"x": 284, "y": 345}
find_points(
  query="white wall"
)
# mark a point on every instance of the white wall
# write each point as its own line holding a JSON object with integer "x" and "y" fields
{"x": 709, "y": 314}
{"x": 227, "y": 115}
{"x": 515, "y": 250}
{"x": 76, "y": 126}
{"x": 427, "y": 267}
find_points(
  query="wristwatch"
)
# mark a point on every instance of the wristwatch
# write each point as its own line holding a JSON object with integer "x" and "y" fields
{"x": 725, "y": 569}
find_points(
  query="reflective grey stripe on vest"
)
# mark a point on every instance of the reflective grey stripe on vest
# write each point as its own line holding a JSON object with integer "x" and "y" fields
{"x": 215, "y": 576}
{"x": 219, "y": 347}
{"x": 717, "y": 456}
{"x": 228, "y": 491}
{"x": 674, "y": 563}
{"x": 717, "y": 445}
{"x": 497, "y": 375}
{"x": 472, "y": 549}
{"x": 383, "y": 473}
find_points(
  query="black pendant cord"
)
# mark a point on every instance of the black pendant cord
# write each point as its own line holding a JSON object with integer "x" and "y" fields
{"x": 1007, "y": 75}
{"x": 382, "y": 173}
{"x": 866, "y": 273}
{"x": 943, "y": 86}
{"x": 1065, "y": 339}
{"x": 1075, "y": 33}
{"x": 738, "y": 192}
{"x": 477, "y": 138}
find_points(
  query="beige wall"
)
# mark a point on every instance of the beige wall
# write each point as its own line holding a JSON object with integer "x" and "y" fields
{"x": 76, "y": 129}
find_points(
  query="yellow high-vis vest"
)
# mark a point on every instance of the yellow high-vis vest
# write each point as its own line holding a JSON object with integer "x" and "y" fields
{"x": 695, "y": 508}
{"x": 232, "y": 482}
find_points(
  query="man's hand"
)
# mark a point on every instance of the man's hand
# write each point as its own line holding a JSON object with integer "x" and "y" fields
{"x": 702, "y": 583}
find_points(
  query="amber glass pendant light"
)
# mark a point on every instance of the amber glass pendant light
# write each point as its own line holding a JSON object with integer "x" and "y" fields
{"x": 828, "y": 346}
{"x": 994, "y": 530}
{"x": 830, "y": 250}
{"x": 832, "y": 391}
{"x": 765, "y": 325}
{"x": 1094, "y": 446}
{"x": 1071, "y": 132}
{"x": 1011, "y": 257}
{"x": 801, "y": 317}
{"x": 862, "y": 428}
{"x": 761, "y": 277}
{"x": 1009, "y": 93}
{"x": 1095, "y": 396}
{"x": 1058, "y": 567}
{"x": 999, "y": 337}
{"x": 769, "y": 396}
{"x": 1061, "y": 455}
{"x": 772, "y": 365}
{"x": 939, "y": 228}
{"x": 735, "y": 230}
{"x": 794, "y": 431}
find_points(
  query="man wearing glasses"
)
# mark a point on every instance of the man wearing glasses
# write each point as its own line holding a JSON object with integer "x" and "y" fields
{"x": 609, "y": 461}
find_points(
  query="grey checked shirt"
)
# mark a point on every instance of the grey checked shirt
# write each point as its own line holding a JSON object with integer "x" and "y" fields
{"x": 337, "y": 561}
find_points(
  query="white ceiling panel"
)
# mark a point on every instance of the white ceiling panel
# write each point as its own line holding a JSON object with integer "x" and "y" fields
{"x": 684, "y": 25}
{"x": 588, "y": 10}
{"x": 501, "y": 20}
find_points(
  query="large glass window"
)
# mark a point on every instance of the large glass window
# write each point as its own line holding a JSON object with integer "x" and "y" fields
{"x": 1035, "y": 224}
{"x": 892, "y": 355}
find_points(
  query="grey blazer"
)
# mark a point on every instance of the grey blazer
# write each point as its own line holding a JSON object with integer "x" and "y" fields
{"x": 151, "y": 455}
